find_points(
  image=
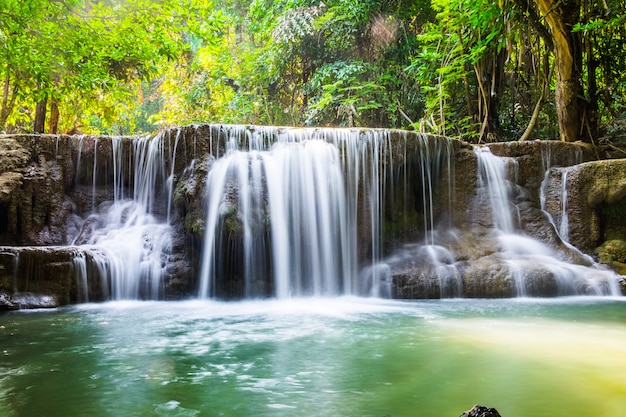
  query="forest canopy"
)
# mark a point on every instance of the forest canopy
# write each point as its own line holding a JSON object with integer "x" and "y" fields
{"x": 478, "y": 70}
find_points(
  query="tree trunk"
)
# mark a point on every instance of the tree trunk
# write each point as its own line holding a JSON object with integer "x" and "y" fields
{"x": 591, "y": 114}
{"x": 545, "y": 87}
{"x": 489, "y": 75}
{"x": 570, "y": 102}
{"x": 8, "y": 100}
{"x": 40, "y": 116}
{"x": 53, "y": 125}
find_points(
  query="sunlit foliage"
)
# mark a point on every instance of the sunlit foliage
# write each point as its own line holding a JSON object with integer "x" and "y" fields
{"x": 479, "y": 70}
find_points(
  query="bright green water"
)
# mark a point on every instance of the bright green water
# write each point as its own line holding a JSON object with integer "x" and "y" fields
{"x": 338, "y": 357}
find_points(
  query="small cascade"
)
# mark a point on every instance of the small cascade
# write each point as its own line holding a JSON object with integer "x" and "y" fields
{"x": 563, "y": 228}
{"x": 560, "y": 219}
{"x": 132, "y": 232}
{"x": 79, "y": 264}
{"x": 561, "y": 222}
{"x": 94, "y": 175}
{"x": 534, "y": 266}
{"x": 493, "y": 181}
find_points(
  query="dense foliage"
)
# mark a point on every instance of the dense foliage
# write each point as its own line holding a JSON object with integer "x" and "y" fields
{"x": 480, "y": 70}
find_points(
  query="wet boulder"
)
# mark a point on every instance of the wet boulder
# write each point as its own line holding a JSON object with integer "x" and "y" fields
{"x": 613, "y": 253}
{"x": 7, "y": 303}
{"x": 33, "y": 300}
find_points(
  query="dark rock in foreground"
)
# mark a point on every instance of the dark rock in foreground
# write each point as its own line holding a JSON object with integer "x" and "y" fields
{"x": 480, "y": 411}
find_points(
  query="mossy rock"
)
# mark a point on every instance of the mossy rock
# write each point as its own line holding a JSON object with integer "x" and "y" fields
{"x": 613, "y": 253}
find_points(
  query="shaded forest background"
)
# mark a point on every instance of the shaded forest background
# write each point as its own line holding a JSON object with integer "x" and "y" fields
{"x": 476, "y": 69}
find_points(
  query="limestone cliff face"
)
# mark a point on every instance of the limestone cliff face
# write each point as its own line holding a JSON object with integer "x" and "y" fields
{"x": 13, "y": 162}
{"x": 37, "y": 173}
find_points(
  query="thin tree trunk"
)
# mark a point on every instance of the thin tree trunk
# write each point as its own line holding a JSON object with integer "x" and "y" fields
{"x": 533, "y": 119}
{"x": 40, "y": 116}
{"x": 591, "y": 119}
{"x": 545, "y": 85}
{"x": 53, "y": 125}
{"x": 5, "y": 98}
{"x": 8, "y": 99}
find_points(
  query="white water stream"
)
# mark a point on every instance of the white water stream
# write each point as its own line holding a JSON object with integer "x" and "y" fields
{"x": 528, "y": 257}
{"x": 128, "y": 239}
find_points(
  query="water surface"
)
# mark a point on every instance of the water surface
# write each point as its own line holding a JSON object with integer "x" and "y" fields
{"x": 316, "y": 357}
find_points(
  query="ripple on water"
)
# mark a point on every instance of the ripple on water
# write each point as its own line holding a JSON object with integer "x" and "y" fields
{"x": 173, "y": 409}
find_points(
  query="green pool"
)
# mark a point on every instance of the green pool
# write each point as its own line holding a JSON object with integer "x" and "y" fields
{"x": 316, "y": 357}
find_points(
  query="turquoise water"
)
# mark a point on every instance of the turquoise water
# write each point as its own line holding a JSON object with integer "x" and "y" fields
{"x": 316, "y": 357}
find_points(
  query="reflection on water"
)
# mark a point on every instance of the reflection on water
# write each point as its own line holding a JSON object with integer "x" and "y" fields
{"x": 316, "y": 357}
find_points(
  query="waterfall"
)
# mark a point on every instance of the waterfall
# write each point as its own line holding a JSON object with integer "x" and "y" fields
{"x": 281, "y": 215}
{"x": 289, "y": 201}
{"x": 130, "y": 236}
{"x": 287, "y": 212}
{"x": 302, "y": 211}
{"x": 533, "y": 264}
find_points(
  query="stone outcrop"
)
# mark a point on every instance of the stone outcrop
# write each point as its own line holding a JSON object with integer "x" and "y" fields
{"x": 534, "y": 158}
{"x": 7, "y": 303}
{"x": 13, "y": 162}
{"x": 44, "y": 271}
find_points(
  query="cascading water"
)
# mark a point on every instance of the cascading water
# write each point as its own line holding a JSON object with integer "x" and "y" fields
{"x": 300, "y": 212}
{"x": 285, "y": 210}
{"x": 561, "y": 223}
{"x": 530, "y": 261}
{"x": 282, "y": 214}
{"x": 129, "y": 237}
{"x": 304, "y": 212}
